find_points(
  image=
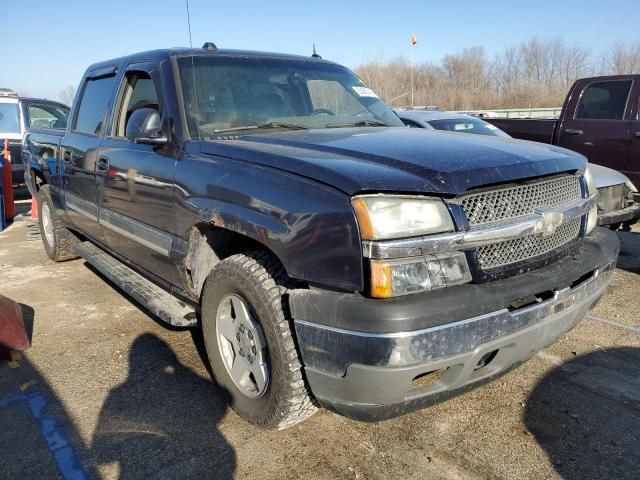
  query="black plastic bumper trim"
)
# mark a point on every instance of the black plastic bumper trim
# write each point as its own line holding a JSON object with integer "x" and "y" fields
{"x": 408, "y": 313}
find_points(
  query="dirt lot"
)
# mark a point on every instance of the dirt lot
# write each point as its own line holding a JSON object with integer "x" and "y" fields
{"x": 107, "y": 392}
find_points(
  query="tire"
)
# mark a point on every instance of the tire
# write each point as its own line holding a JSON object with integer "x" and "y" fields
{"x": 259, "y": 280}
{"x": 58, "y": 241}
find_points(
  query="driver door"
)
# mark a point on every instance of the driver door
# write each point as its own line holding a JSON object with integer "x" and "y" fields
{"x": 137, "y": 215}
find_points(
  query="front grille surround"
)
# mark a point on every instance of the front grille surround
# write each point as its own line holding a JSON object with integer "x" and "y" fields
{"x": 513, "y": 202}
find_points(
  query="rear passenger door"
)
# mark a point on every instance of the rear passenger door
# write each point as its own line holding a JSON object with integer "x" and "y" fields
{"x": 137, "y": 214}
{"x": 597, "y": 122}
{"x": 79, "y": 150}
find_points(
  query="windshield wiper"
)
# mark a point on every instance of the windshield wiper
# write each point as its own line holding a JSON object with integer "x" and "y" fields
{"x": 360, "y": 123}
{"x": 290, "y": 126}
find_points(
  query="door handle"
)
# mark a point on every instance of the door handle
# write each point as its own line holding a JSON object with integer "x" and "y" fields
{"x": 102, "y": 165}
{"x": 66, "y": 156}
{"x": 573, "y": 131}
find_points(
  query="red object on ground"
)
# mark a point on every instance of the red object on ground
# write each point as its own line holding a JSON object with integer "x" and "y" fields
{"x": 34, "y": 208}
{"x": 13, "y": 335}
{"x": 9, "y": 206}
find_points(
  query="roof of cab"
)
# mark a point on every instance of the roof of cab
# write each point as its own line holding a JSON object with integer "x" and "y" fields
{"x": 162, "y": 54}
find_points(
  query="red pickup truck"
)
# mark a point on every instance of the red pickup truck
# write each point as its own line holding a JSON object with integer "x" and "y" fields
{"x": 599, "y": 118}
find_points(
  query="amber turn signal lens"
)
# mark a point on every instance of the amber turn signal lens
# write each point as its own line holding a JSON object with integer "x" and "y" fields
{"x": 364, "y": 219}
{"x": 380, "y": 280}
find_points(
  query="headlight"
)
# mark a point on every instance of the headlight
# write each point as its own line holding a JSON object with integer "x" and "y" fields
{"x": 382, "y": 217}
{"x": 390, "y": 278}
{"x": 590, "y": 181}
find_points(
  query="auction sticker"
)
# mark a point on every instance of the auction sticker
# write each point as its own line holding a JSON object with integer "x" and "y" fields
{"x": 364, "y": 92}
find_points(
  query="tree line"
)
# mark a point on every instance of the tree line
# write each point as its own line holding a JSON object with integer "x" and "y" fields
{"x": 534, "y": 73}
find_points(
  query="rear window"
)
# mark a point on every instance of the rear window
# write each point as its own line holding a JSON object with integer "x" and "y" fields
{"x": 93, "y": 105}
{"x": 47, "y": 116}
{"x": 467, "y": 125}
{"x": 9, "y": 120}
{"x": 604, "y": 100}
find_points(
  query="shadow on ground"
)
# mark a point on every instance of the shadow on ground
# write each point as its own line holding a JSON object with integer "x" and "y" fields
{"x": 629, "y": 251}
{"x": 586, "y": 415}
{"x": 162, "y": 421}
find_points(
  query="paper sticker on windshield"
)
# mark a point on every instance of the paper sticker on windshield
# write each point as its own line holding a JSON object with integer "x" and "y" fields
{"x": 364, "y": 92}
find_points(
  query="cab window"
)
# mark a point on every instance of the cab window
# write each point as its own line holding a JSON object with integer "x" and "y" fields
{"x": 138, "y": 91}
{"x": 604, "y": 100}
{"x": 93, "y": 105}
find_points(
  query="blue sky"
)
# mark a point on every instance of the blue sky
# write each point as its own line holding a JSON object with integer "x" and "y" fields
{"x": 46, "y": 45}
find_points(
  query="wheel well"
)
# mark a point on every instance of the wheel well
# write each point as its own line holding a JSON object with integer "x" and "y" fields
{"x": 208, "y": 245}
{"x": 38, "y": 179}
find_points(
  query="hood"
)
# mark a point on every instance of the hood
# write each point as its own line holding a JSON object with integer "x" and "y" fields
{"x": 606, "y": 177}
{"x": 395, "y": 159}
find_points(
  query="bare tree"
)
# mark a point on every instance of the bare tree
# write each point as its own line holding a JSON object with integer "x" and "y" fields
{"x": 534, "y": 73}
{"x": 66, "y": 95}
{"x": 623, "y": 59}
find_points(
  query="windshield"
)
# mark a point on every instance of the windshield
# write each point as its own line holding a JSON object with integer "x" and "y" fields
{"x": 244, "y": 94}
{"x": 467, "y": 125}
{"x": 9, "y": 122}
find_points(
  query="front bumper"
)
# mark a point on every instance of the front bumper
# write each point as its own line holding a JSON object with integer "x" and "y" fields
{"x": 629, "y": 214}
{"x": 385, "y": 369}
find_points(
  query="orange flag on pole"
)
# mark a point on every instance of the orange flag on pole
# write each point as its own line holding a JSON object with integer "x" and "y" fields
{"x": 414, "y": 39}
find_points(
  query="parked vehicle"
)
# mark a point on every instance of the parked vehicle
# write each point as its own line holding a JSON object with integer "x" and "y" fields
{"x": 599, "y": 119}
{"x": 618, "y": 204}
{"x": 20, "y": 114}
{"x": 618, "y": 199}
{"x": 328, "y": 255}
{"x": 447, "y": 121}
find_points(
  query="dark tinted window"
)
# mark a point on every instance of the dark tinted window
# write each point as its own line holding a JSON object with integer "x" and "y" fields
{"x": 604, "y": 100}
{"x": 93, "y": 105}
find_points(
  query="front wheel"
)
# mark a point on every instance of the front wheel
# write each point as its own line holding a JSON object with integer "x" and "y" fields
{"x": 249, "y": 341}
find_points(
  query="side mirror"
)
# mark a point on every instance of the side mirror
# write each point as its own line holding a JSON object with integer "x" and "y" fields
{"x": 145, "y": 126}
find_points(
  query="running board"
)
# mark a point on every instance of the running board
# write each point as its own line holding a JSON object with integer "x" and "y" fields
{"x": 157, "y": 300}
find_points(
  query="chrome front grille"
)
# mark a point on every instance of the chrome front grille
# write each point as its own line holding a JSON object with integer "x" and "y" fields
{"x": 519, "y": 201}
{"x": 525, "y": 248}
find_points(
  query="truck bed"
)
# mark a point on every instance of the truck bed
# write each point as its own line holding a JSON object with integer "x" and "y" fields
{"x": 38, "y": 148}
{"x": 534, "y": 129}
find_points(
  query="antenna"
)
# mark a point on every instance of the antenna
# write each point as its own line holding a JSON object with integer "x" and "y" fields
{"x": 315, "y": 55}
{"x": 189, "y": 23}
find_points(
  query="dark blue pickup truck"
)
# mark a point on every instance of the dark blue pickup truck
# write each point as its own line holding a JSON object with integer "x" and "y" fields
{"x": 331, "y": 256}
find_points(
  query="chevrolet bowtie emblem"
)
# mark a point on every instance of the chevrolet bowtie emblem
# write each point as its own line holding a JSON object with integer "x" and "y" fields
{"x": 548, "y": 222}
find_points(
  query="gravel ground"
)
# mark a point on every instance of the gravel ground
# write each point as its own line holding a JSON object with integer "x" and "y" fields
{"x": 111, "y": 393}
